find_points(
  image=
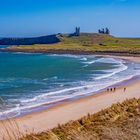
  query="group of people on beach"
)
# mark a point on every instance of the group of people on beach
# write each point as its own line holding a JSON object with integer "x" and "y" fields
{"x": 114, "y": 89}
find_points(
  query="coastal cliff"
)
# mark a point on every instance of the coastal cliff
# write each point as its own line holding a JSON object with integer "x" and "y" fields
{"x": 50, "y": 39}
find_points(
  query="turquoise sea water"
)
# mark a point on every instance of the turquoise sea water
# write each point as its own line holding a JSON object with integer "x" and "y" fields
{"x": 30, "y": 80}
{"x": 3, "y": 46}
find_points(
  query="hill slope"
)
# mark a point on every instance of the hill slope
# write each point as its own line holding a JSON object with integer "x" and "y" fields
{"x": 85, "y": 43}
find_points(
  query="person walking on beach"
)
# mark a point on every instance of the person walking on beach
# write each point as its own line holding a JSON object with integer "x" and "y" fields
{"x": 124, "y": 89}
{"x": 114, "y": 89}
{"x": 107, "y": 89}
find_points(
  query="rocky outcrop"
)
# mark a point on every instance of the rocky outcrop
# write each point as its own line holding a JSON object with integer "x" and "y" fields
{"x": 30, "y": 41}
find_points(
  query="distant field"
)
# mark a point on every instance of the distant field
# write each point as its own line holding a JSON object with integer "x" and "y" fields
{"x": 89, "y": 42}
{"x": 119, "y": 122}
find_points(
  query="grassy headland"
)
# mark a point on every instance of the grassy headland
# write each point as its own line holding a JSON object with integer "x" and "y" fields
{"x": 85, "y": 43}
{"x": 119, "y": 122}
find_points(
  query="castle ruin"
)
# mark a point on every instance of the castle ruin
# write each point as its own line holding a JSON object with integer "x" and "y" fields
{"x": 77, "y": 31}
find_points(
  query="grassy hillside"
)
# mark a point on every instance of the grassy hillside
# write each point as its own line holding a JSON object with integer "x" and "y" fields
{"x": 89, "y": 42}
{"x": 119, "y": 122}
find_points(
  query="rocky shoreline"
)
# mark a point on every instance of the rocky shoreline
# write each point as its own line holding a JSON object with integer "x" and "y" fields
{"x": 70, "y": 51}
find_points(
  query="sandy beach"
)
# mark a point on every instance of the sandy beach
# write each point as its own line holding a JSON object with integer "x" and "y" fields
{"x": 72, "y": 110}
{"x": 128, "y": 58}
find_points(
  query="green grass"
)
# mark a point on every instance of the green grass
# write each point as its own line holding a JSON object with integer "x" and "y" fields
{"x": 89, "y": 42}
{"x": 119, "y": 122}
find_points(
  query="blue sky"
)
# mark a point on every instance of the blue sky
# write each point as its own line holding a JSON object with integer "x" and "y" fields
{"x": 21, "y": 18}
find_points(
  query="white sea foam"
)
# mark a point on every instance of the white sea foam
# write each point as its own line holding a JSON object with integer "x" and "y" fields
{"x": 121, "y": 68}
{"x": 14, "y": 111}
{"x": 90, "y": 62}
{"x": 104, "y": 60}
{"x": 51, "y": 93}
{"x": 84, "y": 59}
{"x": 25, "y": 53}
{"x": 85, "y": 66}
{"x": 65, "y": 55}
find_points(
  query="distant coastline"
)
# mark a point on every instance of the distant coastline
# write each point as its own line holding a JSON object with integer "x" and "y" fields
{"x": 83, "y": 43}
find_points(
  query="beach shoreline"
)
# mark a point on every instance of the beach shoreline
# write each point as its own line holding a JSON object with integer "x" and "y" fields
{"x": 72, "y": 52}
{"x": 51, "y": 105}
{"x": 75, "y": 109}
{"x": 131, "y": 56}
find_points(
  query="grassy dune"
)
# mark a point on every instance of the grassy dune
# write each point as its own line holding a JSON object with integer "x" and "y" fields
{"x": 89, "y": 42}
{"x": 119, "y": 122}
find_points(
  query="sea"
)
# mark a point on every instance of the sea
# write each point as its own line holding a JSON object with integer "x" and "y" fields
{"x": 30, "y": 81}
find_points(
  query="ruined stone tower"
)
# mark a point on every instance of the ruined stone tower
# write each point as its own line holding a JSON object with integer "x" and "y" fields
{"x": 77, "y": 31}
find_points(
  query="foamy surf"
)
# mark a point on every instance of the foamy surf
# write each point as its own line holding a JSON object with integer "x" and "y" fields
{"x": 121, "y": 68}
